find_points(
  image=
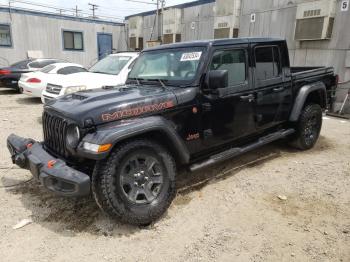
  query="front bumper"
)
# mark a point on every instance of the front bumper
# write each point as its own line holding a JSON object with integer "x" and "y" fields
{"x": 53, "y": 173}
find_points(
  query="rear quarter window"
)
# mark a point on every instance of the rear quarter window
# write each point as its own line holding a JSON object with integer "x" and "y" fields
{"x": 70, "y": 70}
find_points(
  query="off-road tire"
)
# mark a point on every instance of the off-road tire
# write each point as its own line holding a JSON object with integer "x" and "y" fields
{"x": 308, "y": 127}
{"x": 108, "y": 191}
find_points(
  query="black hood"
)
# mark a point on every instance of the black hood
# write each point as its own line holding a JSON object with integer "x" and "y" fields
{"x": 106, "y": 105}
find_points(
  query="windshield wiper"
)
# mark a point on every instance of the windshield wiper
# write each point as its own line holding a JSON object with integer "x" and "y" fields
{"x": 159, "y": 80}
{"x": 136, "y": 79}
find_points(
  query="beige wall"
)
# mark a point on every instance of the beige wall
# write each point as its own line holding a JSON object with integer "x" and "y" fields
{"x": 31, "y": 32}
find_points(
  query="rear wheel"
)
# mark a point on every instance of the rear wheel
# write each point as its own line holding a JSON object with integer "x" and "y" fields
{"x": 308, "y": 127}
{"x": 136, "y": 183}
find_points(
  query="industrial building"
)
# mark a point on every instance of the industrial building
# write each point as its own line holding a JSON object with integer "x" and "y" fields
{"x": 26, "y": 33}
{"x": 317, "y": 31}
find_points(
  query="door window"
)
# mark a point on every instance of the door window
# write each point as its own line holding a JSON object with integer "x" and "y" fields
{"x": 234, "y": 61}
{"x": 267, "y": 62}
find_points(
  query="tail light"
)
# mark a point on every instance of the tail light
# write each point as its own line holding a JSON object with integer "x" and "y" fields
{"x": 5, "y": 72}
{"x": 33, "y": 80}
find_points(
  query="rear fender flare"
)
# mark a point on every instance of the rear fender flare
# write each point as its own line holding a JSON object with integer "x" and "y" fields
{"x": 302, "y": 96}
{"x": 116, "y": 132}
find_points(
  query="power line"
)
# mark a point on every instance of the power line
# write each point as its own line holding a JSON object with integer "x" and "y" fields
{"x": 73, "y": 11}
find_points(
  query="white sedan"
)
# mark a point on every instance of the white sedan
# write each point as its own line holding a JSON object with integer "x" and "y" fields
{"x": 34, "y": 83}
{"x": 112, "y": 70}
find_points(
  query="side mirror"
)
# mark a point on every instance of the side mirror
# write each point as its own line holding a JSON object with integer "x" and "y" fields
{"x": 218, "y": 79}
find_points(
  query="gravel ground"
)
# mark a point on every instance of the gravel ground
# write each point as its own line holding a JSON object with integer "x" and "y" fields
{"x": 274, "y": 204}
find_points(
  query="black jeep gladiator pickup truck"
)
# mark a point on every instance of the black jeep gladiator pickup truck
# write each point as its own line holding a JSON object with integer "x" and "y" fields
{"x": 188, "y": 104}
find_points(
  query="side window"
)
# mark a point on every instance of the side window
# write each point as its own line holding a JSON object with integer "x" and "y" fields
{"x": 234, "y": 61}
{"x": 267, "y": 62}
{"x": 73, "y": 41}
{"x": 70, "y": 70}
{"x": 5, "y": 36}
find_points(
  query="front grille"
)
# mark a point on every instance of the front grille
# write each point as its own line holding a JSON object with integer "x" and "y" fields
{"x": 53, "y": 89}
{"x": 55, "y": 130}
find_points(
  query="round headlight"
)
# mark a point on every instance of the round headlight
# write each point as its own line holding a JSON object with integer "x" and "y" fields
{"x": 73, "y": 136}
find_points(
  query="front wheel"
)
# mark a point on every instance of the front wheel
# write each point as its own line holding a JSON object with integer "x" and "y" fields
{"x": 308, "y": 127}
{"x": 136, "y": 183}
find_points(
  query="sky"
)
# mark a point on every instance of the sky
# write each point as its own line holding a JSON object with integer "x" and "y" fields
{"x": 111, "y": 8}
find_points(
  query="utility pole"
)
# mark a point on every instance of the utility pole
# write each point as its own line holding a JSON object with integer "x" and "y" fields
{"x": 76, "y": 11}
{"x": 93, "y": 8}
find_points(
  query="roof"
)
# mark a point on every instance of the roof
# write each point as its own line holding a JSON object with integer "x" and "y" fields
{"x": 57, "y": 16}
{"x": 214, "y": 42}
{"x": 185, "y": 5}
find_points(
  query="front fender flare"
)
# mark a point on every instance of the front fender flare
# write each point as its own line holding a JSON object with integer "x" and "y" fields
{"x": 302, "y": 96}
{"x": 115, "y": 132}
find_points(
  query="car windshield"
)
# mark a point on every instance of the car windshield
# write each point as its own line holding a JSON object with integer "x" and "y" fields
{"x": 111, "y": 65}
{"x": 178, "y": 65}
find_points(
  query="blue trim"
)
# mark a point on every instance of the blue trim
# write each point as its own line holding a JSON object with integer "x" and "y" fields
{"x": 57, "y": 16}
{"x": 72, "y": 31}
{"x": 10, "y": 28}
{"x": 185, "y": 5}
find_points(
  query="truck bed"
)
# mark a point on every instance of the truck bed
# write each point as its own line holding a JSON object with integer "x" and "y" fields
{"x": 302, "y": 73}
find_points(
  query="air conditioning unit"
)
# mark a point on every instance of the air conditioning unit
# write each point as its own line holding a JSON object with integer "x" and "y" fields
{"x": 136, "y": 32}
{"x": 172, "y": 25}
{"x": 226, "y": 19}
{"x": 315, "y": 20}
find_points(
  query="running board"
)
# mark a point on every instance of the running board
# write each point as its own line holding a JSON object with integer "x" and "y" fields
{"x": 241, "y": 150}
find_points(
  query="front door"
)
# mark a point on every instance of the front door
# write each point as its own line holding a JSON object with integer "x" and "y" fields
{"x": 104, "y": 44}
{"x": 230, "y": 115}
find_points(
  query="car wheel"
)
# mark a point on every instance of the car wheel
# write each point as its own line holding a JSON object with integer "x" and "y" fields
{"x": 136, "y": 183}
{"x": 308, "y": 127}
{"x": 20, "y": 90}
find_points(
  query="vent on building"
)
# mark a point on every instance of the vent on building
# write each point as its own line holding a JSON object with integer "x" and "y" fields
{"x": 311, "y": 13}
{"x": 132, "y": 42}
{"x": 167, "y": 38}
{"x": 235, "y": 32}
{"x": 308, "y": 29}
{"x": 221, "y": 33}
{"x": 136, "y": 43}
{"x": 315, "y": 20}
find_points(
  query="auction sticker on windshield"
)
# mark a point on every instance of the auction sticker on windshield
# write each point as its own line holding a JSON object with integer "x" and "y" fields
{"x": 193, "y": 56}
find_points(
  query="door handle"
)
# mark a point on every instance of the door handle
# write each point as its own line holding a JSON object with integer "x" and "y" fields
{"x": 278, "y": 89}
{"x": 249, "y": 97}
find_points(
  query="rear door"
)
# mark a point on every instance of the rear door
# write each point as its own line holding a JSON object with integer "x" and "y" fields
{"x": 273, "y": 97}
{"x": 230, "y": 116}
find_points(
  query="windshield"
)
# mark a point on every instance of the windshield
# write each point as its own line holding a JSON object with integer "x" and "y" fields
{"x": 111, "y": 65}
{"x": 178, "y": 65}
